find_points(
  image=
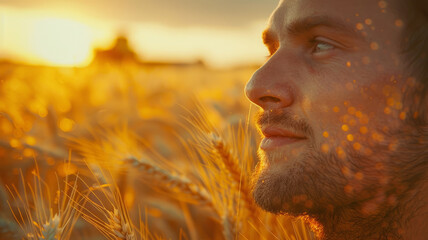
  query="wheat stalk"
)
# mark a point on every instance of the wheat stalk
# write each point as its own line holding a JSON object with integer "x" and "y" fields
{"x": 56, "y": 154}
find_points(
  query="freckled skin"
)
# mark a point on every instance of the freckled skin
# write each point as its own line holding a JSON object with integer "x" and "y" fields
{"x": 350, "y": 93}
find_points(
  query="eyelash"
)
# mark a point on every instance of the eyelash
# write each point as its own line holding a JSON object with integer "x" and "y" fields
{"x": 316, "y": 43}
{"x": 313, "y": 43}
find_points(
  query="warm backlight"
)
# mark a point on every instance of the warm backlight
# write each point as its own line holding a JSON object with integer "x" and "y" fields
{"x": 53, "y": 38}
{"x": 62, "y": 42}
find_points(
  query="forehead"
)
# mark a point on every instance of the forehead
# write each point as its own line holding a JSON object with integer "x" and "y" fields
{"x": 376, "y": 15}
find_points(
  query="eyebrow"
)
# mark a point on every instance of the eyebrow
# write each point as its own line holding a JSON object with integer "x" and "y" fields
{"x": 301, "y": 26}
{"x": 270, "y": 40}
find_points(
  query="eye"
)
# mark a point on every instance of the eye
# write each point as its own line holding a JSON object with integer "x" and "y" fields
{"x": 321, "y": 46}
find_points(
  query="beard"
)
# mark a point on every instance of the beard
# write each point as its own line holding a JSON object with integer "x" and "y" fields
{"x": 324, "y": 185}
{"x": 304, "y": 185}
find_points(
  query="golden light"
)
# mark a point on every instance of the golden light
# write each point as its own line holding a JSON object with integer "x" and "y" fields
{"x": 45, "y": 37}
{"x": 325, "y": 134}
{"x": 66, "y": 124}
{"x": 65, "y": 169}
{"x": 61, "y": 42}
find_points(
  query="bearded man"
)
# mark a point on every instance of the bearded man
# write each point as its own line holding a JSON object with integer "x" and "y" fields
{"x": 344, "y": 117}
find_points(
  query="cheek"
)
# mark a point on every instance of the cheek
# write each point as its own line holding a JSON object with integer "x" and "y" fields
{"x": 356, "y": 115}
{"x": 354, "y": 104}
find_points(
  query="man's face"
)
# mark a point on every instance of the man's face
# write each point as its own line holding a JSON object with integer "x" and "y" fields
{"x": 332, "y": 101}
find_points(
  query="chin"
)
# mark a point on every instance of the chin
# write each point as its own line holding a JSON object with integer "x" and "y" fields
{"x": 308, "y": 184}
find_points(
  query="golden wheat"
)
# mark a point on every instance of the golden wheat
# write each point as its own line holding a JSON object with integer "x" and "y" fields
{"x": 201, "y": 162}
{"x": 120, "y": 226}
{"x": 178, "y": 184}
{"x": 241, "y": 181}
{"x": 116, "y": 223}
{"x": 34, "y": 212}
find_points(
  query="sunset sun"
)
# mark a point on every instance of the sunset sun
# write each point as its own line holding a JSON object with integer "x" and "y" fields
{"x": 62, "y": 42}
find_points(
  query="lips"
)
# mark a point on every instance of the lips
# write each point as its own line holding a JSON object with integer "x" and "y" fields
{"x": 278, "y": 137}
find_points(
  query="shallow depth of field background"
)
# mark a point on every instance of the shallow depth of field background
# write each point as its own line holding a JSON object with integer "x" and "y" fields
{"x": 84, "y": 87}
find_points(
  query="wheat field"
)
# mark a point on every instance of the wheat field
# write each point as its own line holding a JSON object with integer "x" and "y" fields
{"x": 125, "y": 151}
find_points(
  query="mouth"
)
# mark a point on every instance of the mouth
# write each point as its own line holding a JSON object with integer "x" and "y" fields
{"x": 275, "y": 137}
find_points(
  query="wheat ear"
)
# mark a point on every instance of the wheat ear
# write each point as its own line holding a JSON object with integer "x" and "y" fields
{"x": 36, "y": 218}
{"x": 113, "y": 224}
{"x": 189, "y": 189}
{"x": 229, "y": 226}
{"x": 120, "y": 226}
{"x": 231, "y": 165}
{"x": 51, "y": 229}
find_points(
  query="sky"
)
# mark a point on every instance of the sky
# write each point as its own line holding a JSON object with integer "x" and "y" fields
{"x": 62, "y": 32}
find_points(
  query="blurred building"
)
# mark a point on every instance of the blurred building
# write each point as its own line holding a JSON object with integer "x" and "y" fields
{"x": 121, "y": 51}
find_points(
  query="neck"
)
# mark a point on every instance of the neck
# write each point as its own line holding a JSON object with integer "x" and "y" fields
{"x": 399, "y": 212}
{"x": 417, "y": 207}
{"x": 406, "y": 220}
{"x": 354, "y": 225}
{"x": 416, "y": 225}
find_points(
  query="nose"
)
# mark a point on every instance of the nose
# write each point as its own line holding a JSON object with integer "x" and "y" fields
{"x": 270, "y": 87}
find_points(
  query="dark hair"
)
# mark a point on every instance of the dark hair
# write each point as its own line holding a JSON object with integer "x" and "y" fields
{"x": 414, "y": 14}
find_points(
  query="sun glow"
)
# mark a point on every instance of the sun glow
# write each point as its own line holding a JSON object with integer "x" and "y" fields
{"x": 61, "y": 42}
{"x": 67, "y": 38}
